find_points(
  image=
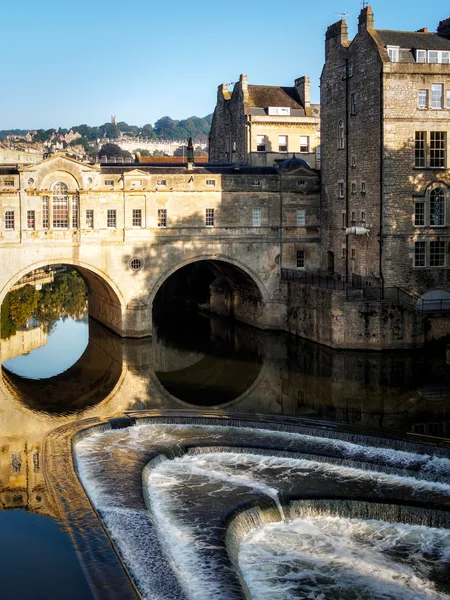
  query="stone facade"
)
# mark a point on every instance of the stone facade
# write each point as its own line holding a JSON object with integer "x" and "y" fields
{"x": 260, "y": 125}
{"x": 379, "y": 92}
{"x": 127, "y": 228}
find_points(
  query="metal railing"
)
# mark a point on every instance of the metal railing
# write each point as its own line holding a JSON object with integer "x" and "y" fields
{"x": 332, "y": 282}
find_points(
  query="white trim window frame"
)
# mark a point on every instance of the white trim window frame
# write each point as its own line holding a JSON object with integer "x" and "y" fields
{"x": 421, "y": 56}
{"x": 422, "y": 99}
{"x": 394, "y": 53}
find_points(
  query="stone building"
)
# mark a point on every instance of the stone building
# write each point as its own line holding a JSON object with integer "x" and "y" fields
{"x": 385, "y": 108}
{"x": 260, "y": 124}
{"x": 129, "y": 227}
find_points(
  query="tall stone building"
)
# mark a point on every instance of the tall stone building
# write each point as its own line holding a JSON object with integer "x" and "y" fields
{"x": 260, "y": 124}
{"x": 385, "y": 108}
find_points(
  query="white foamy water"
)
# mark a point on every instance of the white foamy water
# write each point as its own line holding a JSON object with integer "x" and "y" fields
{"x": 332, "y": 558}
{"x": 189, "y": 495}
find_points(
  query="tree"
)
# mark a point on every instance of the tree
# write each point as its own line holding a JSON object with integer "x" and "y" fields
{"x": 113, "y": 151}
{"x": 22, "y": 304}
{"x": 143, "y": 152}
{"x": 166, "y": 128}
{"x": 110, "y": 131}
{"x": 81, "y": 141}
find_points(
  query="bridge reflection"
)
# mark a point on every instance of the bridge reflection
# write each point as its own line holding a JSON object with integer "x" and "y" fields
{"x": 229, "y": 367}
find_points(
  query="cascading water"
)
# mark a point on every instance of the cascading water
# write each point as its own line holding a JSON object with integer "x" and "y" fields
{"x": 170, "y": 496}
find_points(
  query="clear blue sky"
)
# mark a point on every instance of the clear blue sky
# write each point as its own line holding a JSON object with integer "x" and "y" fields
{"x": 78, "y": 61}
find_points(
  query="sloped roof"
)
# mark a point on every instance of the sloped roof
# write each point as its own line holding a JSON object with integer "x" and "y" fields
{"x": 411, "y": 39}
{"x": 262, "y": 96}
{"x": 171, "y": 159}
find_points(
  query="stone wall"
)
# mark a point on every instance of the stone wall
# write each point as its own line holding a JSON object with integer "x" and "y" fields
{"x": 326, "y": 317}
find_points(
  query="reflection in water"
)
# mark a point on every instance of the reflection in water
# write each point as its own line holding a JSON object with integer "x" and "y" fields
{"x": 211, "y": 362}
{"x": 39, "y": 355}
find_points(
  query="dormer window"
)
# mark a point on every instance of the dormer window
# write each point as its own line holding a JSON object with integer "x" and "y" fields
{"x": 393, "y": 53}
{"x": 279, "y": 110}
{"x": 433, "y": 56}
{"x": 421, "y": 56}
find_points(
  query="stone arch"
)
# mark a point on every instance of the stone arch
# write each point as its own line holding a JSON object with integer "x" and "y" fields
{"x": 54, "y": 177}
{"x": 253, "y": 276}
{"x": 106, "y": 302}
{"x": 237, "y": 290}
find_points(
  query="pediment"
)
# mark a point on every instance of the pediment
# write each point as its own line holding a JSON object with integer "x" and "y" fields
{"x": 61, "y": 162}
{"x": 135, "y": 172}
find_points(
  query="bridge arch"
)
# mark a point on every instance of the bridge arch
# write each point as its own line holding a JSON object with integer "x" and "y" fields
{"x": 105, "y": 299}
{"x": 236, "y": 290}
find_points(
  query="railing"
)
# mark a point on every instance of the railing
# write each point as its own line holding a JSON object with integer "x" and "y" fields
{"x": 332, "y": 282}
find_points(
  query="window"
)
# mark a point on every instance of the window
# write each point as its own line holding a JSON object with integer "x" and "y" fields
{"x": 445, "y": 57}
{"x": 301, "y": 183}
{"x": 278, "y": 110}
{"x": 353, "y": 162}
{"x": 350, "y": 69}
{"x": 162, "y": 217}
{"x": 9, "y": 183}
{"x": 111, "y": 218}
{"x": 304, "y": 143}
{"x": 421, "y": 56}
{"x": 75, "y": 212}
{"x": 433, "y": 56}
{"x": 300, "y": 259}
{"x": 353, "y": 253}
{"x": 109, "y": 181}
{"x": 137, "y": 217}
{"x": 45, "y": 215}
{"x": 437, "y": 254}
{"x": 340, "y": 135}
{"x": 422, "y": 99}
{"x": 318, "y": 153}
{"x": 260, "y": 143}
{"x": 437, "y": 90}
{"x": 344, "y": 220}
{"x": 363, "y": 187}
{"x": 437, "y": 149}
{"x": 256, "y": 216}
{"x": 353, "y": 216}
{"x": 301, "y": 217}
{"x": 16, "y": 462}
{"x": 90, "y": 219}
{"x": 60, "y": 203}
{"x": 448, "y": 98}
{"x": 136, "y": 183}
{"x": 344, "y": 252}
{"x": 211, "y": 182}
{"x": 353, "y": 104}
{"x": 282, "y": 143}
{"x": 31, "y": 219}
{"x": 9, "y": 219}
{"x": 420, "y": 149}
{"x": 161, "y": 182}
{"x": 353, "y": 187}
{"x": 340, "y": 189}
{"x": 393, "y": 53}
{"x": 363, "y": 216}
{"x": 419, "y": 213}
{"x": 209, "y": 217}
{"x": 419, "y": 254}
{"x": 437, "y": 207}
{"x": 30, "y": 181}
{"x": 256, "y": 183}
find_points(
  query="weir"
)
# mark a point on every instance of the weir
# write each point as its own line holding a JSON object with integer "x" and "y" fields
{"x": 185, "y": 496}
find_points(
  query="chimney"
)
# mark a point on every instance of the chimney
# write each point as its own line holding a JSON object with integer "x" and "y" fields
{"x": 190, "y": 155}
{"x": 366, "y": 20}
{"x": 302, "y": 87}
{"x": 423, "y": 30}
{"x": 221, "y": 90}
{"x": 338, "y": 32}
{"x": 243, "y": 80}
{"x": 444, "y": 29}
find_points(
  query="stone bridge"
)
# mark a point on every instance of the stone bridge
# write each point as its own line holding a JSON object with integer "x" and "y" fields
{"x": 127, "y": 228}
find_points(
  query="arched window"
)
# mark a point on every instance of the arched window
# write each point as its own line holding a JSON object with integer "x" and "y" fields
{"x": 437, "y": 207}
{"x": 341, "y": 135}
{"x": 60, "y": 203}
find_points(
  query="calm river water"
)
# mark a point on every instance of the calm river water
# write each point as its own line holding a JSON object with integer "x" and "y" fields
{"x": 82, "y": 370}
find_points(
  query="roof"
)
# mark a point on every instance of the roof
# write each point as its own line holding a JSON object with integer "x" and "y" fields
{"x": 171, "y": 159}
{"x": 412, "y": 39}
{"x": 294, "y": 163}
{"x": 180, "y": 169}
{"x": 262, "y": 96}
